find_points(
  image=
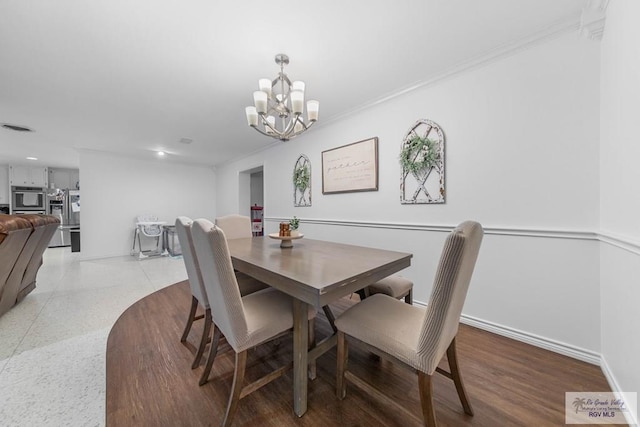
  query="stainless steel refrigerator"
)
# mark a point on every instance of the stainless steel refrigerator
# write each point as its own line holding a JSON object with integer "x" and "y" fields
{"x": 64, "y": 204}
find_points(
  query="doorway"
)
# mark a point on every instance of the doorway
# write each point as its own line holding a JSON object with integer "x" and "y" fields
{"x": 251, "y": 197}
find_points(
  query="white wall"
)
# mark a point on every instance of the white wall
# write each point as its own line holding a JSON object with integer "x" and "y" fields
{"x": 115, "y": 190}
{"x": 5, "y": 193}
{"x": 521, "y": 154}
{"x": 620, "y": 186}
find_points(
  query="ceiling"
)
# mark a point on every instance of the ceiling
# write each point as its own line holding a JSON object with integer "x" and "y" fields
{"x": 135, "y": 77}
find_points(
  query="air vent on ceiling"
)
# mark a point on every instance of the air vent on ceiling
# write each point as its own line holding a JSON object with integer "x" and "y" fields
{"x": 16, "y": 128}
{"x": 186, "y": 140}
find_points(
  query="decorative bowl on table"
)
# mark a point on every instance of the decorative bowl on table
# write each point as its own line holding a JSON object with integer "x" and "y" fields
{"x": 286, "y": 241}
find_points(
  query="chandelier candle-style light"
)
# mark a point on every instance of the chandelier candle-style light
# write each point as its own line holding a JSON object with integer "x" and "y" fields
{"x": 283, "y": 99}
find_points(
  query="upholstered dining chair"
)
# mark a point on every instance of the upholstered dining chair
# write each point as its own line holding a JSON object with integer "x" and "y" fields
{"x": 247, "y": 321}
{"x": 235, "y": 226}
{"x": 246, "y": 285}
{"x": 198, "y": 293}
{"x": 238, "y": 227}
{"x": 412, "y": 336}
{"x": 395, "y": 286}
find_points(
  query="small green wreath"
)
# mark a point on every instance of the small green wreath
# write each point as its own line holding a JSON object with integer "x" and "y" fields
{"x": 301, "y": 178}
{"x": 418, "y": 155}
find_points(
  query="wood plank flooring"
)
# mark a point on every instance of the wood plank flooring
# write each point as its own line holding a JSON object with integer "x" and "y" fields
{"x": 150, "y": 381}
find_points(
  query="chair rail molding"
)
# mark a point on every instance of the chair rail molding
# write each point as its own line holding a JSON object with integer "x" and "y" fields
{"x": 609, "y": 238}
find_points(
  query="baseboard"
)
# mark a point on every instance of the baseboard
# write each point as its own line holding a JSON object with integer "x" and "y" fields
{"x": 535, "y": 340}
{"x": 528, "y": 338}
{"x": 615, "y": 387}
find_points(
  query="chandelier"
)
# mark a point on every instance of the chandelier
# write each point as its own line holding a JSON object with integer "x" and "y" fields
{"x": 279, "y": 104}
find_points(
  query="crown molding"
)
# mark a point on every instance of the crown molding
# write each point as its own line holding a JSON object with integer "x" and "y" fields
{"x": 593, "y": 19}
{"x": 551, "y": 32}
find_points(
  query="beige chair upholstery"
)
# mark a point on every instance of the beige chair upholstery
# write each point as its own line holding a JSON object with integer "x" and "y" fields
{"x": 235, "y": 226}
{"x": 395, "y": 286}
{"x": 239, "y": 227}
{"x": 413, "y": 336}
{"x": 247, "y": 321}
{"x": 198, "y": 293}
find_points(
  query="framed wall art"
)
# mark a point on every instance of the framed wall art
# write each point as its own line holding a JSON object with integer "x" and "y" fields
{"x": 350, "y": 168}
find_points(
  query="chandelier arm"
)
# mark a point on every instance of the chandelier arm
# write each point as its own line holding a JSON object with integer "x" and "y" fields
{"x": 306, "y": 126}
{"x": 261, "y": 131}
{"x": 289, "y": 127}
{"x": 277, "y": 134}
{"x": 266, "y": 124}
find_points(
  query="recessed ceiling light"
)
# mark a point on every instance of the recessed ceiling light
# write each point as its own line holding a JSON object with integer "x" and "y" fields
{"x": 161, "y": 153}
{"x": 32, "y": 158}
{"x": 17, "y": 128}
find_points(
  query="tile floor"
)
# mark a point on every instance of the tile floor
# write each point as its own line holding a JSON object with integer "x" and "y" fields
{"x": 52, "y": 344}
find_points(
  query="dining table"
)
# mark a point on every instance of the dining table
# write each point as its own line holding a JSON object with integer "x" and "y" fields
{"x": 315, "y": 273}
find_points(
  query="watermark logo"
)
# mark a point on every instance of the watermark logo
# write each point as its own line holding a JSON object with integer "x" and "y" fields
{"x": 599, "y": 407}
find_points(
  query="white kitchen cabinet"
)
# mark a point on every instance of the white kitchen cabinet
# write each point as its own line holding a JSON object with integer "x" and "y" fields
{"x": 63, "y": 178}
{"x": 30, "y": 176}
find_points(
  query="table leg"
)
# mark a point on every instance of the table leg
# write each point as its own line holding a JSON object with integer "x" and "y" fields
{"x": 300, "y": 355}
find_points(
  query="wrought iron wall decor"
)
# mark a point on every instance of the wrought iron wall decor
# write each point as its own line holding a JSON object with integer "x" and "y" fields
{"x": 422, "y": 162}
{"x": 302, "y": 182}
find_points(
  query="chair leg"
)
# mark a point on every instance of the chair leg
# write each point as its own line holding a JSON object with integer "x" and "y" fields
{"x": 135, "y": 234}
{"x": 213, "y": 350}
{"x": 192, "y": 315}
{"x": 206, "y": 329}
{"x": 343, "y": 359}
{"x": 408, "y": 298}
{"x": 236, "y": 389}
{"x": 452, "y": 357}
{"x": 426, "y": 399}
{"x": 363, "y": 293}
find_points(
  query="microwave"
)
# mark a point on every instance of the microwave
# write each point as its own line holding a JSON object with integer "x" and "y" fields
{"x": 28, "y": 199}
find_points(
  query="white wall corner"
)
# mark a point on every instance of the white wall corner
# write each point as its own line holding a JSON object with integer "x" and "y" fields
{"x": 593, "y": 19}
{"x": 631, "y": 416}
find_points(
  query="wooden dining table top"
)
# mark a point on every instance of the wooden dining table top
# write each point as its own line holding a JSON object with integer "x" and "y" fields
{"x": 315, "y": 271}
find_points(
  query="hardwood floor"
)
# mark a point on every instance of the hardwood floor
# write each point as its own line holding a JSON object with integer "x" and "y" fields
{"x": 150, "y": 381}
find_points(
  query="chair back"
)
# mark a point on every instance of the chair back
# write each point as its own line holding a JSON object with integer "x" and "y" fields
{"x": 449, "y": 291}
{"x": 220, "y": 281}
{"x": 235, "y": 226}
{"x": 183, "y": 229}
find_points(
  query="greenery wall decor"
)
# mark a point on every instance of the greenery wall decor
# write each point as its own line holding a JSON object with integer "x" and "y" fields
{"x": 419, "y": 154}
{"x": 302, "y": 182}
{"x": 422, "y": 162}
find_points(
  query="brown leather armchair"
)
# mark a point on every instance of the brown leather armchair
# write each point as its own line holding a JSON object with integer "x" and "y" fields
{"x": 23, "y": 240}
